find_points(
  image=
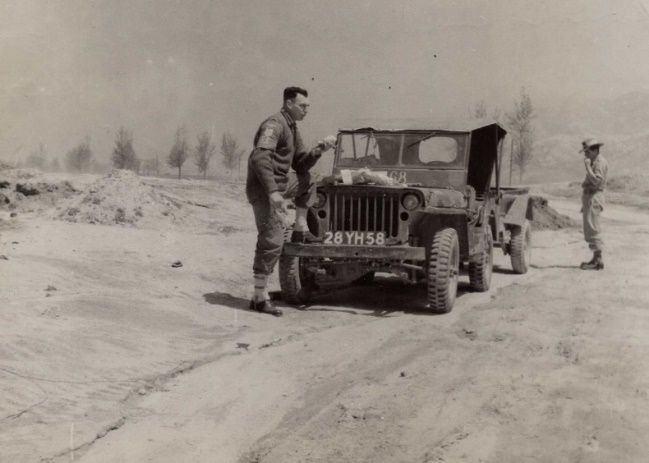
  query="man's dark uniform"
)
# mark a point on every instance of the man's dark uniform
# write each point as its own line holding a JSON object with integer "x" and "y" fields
{"x": 278, "y": 147}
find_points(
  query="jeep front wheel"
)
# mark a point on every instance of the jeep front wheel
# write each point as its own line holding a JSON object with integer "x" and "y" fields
{"x": 480, "y": 269}
{"x": 521, "y": 247}
{"x": 443, "y": 269}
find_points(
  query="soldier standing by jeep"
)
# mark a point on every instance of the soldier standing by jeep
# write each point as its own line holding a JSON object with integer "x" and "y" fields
{"x": 593, "y": 200}
{"x": 277, "y": 148}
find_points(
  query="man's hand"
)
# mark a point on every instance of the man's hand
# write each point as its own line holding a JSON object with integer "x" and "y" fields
{"x": 277, "y": 201}
{"x": 278, "y": 205}
{"x": 327, "y": 143}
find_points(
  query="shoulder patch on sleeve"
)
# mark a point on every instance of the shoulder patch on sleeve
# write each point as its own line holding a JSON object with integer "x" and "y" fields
{"x": 269, "y": 133}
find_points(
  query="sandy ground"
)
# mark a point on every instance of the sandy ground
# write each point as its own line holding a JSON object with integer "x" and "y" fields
{"x": 110, "y": 354}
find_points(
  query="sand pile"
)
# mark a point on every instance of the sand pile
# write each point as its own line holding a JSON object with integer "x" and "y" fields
{"x": 121, "y": 198}
{"x": 545, "y": 217}
{"x": 27, "y": 190}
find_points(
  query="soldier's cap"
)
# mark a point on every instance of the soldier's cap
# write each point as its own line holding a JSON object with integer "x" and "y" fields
{"x": 589, "y": 143}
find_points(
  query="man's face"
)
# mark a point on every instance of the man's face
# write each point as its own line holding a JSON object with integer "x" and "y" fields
{"x": 591, "y": 153}
{"x": 298, "y": 107}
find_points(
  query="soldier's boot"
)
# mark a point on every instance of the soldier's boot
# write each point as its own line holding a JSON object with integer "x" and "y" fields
{"x": 596, "y": 263}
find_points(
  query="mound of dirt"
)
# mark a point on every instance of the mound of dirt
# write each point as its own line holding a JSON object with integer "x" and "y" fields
{"x": 121, "y": 198}
{"x": 545, "y": 217}
{"x": 26, "y": 190}
{"x": 632, "y": 184}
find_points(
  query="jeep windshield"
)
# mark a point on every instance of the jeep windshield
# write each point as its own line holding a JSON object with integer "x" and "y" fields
{"x": 411, "y": 150}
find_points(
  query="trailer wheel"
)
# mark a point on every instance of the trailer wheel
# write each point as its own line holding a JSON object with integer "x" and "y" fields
{"x": 295, "y": 280}
{"x": 443, "y": 270}
{"x": 481, "y": 270}
{"x": 521, "y": 247}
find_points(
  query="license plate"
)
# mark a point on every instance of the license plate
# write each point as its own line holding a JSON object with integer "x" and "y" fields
{"x": 355, "y": 237}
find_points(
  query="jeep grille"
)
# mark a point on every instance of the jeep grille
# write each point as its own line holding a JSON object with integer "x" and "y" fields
{"x": 362, "y": 212}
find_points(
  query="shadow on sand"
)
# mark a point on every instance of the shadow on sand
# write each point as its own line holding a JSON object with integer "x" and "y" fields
{"x": 228, "y": 300}
{"x": 382, "y": 298}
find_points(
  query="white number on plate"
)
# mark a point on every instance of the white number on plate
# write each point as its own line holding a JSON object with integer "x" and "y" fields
{"x": 355, "y": 237}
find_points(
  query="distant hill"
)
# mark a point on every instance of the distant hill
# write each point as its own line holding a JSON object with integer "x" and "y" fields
{"x": 622, "y": 124}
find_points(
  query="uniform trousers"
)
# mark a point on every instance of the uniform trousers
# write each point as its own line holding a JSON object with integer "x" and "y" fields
{"x": 592, "y": 205}
{"x": 270, "y": 227}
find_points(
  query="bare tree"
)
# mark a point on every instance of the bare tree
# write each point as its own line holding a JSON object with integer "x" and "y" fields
{"x": 79, "y": 159}
{"x": 520, "y": 125}
{"x": 179, "y": 151}
{"x": 480, "y": 110}
{"x": 231, "y": 151}
{"x": 37, "y": 158}
{"x": 124, "y": 156}
{"x": 203, "y": 152}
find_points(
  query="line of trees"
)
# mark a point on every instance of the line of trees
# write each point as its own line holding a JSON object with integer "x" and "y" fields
{"x": 123, "y": 156}
{"x": 203, "y": 152}
{"x": 79, "y": 159}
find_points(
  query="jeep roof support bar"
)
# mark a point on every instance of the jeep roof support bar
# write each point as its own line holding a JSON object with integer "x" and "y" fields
{"x": 501, "y": 142}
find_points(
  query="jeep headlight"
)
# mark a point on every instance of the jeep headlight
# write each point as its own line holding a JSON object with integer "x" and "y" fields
{"x": 320, "y": 200}
{"x": 410, "y": 201}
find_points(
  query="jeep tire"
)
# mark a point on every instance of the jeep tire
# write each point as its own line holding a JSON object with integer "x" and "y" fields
{"x": 480, "y": 270}
{"x": 443, "y": 270}
{"x": 521, "y": 247}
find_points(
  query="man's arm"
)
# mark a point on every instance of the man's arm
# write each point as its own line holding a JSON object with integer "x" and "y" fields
{"x": 261, "y": 163}
{"x": 304, "y": 161}
{"x": 594, "y": 173}
{"x": 261, "y": 159}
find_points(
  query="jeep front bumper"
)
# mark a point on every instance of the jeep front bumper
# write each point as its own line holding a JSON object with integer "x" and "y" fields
{"x": 348, "y": 251}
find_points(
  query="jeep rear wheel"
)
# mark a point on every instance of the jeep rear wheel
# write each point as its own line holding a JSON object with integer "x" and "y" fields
{"x": 521, "y": 247}
{"x": 481, "y": 269}
{"x": 443, "y": 269}
{"x": 295, "y": 280}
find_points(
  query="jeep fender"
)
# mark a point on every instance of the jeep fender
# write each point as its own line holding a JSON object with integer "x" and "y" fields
{"x": 516, "y": 209}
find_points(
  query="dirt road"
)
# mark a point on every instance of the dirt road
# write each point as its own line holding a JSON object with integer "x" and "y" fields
{"x": 128, "y": 359}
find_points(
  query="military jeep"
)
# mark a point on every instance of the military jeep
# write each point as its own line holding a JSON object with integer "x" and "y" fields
{"x": 418, "y": 199}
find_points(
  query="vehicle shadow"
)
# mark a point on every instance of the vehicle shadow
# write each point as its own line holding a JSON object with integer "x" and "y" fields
{"x": 382, "y": 298}
{"x": 503, "y": 270}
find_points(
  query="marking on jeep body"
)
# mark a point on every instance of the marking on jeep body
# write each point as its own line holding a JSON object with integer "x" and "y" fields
{"x": 398, "y": 176}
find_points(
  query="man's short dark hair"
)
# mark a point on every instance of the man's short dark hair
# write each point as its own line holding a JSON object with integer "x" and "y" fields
{"x": 291, "y": 92}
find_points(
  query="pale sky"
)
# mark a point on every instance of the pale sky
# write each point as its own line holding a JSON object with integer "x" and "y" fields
{"x": 72, "y": 68}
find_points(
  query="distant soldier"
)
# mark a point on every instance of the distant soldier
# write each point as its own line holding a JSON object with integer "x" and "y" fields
{"x": 593, "y": 200}
{"x": 278, "y": 148}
